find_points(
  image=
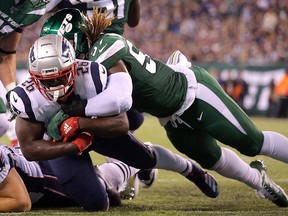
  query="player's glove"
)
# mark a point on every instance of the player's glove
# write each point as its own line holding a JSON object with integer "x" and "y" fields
{"x": 69, "y": 128}
{"x": 82, "y": 141}
{"x": 74, "y": 106}
{"x": 54, "y": 125}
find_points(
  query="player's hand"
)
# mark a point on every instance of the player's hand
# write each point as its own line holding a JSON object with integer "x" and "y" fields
{"x": 54, "y": 125}
{"x": 82, "y": 141}
{"x": 74, "y": 106}
{"x": 69, "y": 129}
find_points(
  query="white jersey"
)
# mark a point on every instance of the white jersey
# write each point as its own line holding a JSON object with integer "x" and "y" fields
{"x": 27, "y": 101}
{"x": 12, "y": 157}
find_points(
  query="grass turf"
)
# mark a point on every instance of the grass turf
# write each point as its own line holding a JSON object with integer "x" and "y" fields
{"x": 174, "y": 195}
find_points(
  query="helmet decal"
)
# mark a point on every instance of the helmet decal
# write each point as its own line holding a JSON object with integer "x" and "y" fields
{"x": 69, "y": 23}
{"x": 66, "y": 26}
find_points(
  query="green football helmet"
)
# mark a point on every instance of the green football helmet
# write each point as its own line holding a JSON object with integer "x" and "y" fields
{"x": 67, "y": 22}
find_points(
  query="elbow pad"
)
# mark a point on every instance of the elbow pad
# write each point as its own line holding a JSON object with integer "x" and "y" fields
{"x": 115, "y": 99}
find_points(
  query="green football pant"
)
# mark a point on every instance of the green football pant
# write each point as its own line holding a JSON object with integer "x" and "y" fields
{"x": 213, "y": 116}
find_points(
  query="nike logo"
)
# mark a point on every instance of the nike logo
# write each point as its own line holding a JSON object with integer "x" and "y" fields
{"x": 100, "y": 50}
{"x": 200, "y": 117}
{"x": 15, "y": 99}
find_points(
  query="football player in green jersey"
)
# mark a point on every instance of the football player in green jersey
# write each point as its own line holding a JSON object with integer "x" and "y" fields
{"x": 192, "y": 107}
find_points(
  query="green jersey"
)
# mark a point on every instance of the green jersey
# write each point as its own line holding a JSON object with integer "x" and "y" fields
{"x": 14, "y": 14}
{"x": 157, "y": 89}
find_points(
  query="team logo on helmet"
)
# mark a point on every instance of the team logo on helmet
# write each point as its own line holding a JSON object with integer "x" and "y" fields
{"x": 66, "y": 26}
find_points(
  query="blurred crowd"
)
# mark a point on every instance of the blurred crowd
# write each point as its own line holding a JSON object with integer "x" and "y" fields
{"x": 225, "y": 31}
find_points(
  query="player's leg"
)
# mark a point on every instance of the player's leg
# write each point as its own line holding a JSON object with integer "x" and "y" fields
{"x": 128, "y": 178}
{"x": 78, "y": 178}
{"x": 53, "y": 194}
{"x": 223, "y": 113}
{"x": 214, "y": 114}
{"x": 135, "y": 153}
{"x": 126, "y": 149}
{"x": 131, "y": 189}
{"x": 118, "y": 175}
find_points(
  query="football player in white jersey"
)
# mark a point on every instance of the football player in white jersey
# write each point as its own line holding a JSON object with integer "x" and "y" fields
{"x": 20, "y": 179}
{"x": 57, "y": 78}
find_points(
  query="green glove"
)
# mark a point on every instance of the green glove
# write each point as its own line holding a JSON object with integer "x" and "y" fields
{"x": 2, "y": 106}
{"x": 54, "y": 125}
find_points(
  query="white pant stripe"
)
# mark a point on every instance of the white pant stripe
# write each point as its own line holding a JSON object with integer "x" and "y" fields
{"x": 205, "y": 94}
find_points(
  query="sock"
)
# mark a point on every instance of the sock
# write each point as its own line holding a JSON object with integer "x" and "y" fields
{"x": 232, "y": 166}
{"x": 275, "y": 145}
{"x": 117, "y": 173}
{"x": 168, "y": 160}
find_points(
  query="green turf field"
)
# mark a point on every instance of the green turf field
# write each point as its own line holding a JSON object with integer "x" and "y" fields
{"x": 173, "y": 195}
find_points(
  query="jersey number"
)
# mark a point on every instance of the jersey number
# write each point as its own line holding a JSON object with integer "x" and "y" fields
{"x": 28, "y": 85}
{"x": 141, "y": 58}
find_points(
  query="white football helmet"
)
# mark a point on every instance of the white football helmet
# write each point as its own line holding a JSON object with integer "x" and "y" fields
{"x": 52, "y": 66}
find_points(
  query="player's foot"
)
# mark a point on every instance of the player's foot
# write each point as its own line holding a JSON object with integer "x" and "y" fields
{"x": 270, "y": 189}
{"x": 204, "y": 181}
{"x": 147, "y": 177}
{"x": 131, "y": 189}
{"x": 178, "y": 58}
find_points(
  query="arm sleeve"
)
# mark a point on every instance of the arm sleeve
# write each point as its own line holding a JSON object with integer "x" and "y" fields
{"x": 115, "y": 99}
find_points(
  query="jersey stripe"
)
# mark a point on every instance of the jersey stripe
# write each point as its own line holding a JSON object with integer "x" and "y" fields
{"x": 26, "y": 101}
{"x": 96, "y": 77}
